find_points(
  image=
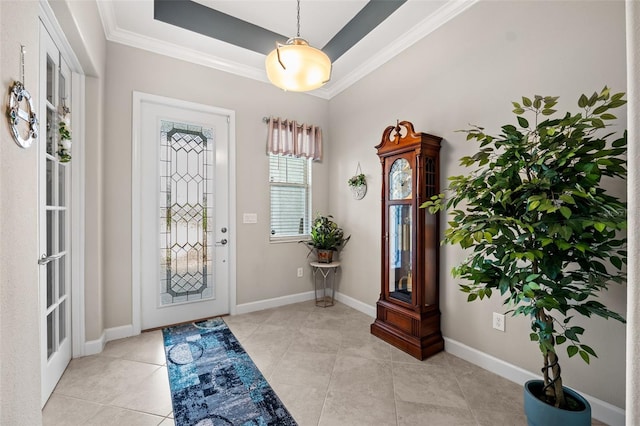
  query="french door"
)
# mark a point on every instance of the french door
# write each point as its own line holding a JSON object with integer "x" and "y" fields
{"x": 184, "y": 208}
{"x": 54, "y": 213}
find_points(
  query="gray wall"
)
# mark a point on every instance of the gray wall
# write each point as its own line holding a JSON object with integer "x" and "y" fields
{"x": 468, "y": 72}
{"x": 264, "y": 270}
{"x": 19, "y": 313}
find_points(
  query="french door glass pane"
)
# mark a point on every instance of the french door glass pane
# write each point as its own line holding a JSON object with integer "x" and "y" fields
{"x": 62, "y": 89}
{"x": 50, "y": 188}
{"x": 61, "y": 183}
{"x": 50, "y": 231}
{"x": 51, "y": 130}
{"x": 62, "y": 321}
{"x": 51, "y": 282}
{"x": 51, "y": 68}
{"x": 62, "y": 271}
{"x": 61, "y": 228}
{"x": 50, "y": 333}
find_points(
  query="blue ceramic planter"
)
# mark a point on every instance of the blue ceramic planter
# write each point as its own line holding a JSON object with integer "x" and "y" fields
{"x": 541, "y": 414}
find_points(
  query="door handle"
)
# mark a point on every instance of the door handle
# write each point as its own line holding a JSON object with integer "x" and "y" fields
{"x": 44, "y": 259}
{"x": 222, "y": 242}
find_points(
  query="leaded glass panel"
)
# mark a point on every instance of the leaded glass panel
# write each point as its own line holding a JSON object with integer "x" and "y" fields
{"x": 186, "y": 212}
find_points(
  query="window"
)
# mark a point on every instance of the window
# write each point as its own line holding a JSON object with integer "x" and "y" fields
{"x": 290, "y": 188}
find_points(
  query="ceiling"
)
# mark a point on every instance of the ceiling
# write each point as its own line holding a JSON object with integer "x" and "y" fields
{"x": 235, "y": 35}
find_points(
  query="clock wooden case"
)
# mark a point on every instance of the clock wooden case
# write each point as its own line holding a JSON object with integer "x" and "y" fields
{"x": 408, "y": 315}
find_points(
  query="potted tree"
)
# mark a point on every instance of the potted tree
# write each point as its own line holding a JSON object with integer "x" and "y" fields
{"x": 542, "y": 231}
{"x": 326, "y": 238}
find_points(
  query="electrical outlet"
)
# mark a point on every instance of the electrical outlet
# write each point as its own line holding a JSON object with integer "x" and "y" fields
{"x": 498, "y": 321}
{"x": 300, "y": 272}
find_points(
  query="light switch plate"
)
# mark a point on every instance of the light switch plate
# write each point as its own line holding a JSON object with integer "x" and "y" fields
{"x": 249, "y": 218}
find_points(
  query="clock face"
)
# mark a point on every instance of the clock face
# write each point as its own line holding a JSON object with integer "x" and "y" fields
{"x": 400, "y": 180}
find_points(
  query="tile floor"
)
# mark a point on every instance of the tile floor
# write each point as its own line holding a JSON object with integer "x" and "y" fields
{"x": 322, "y": 362}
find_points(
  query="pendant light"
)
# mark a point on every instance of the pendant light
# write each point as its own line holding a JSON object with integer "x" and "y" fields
{"x": 296, "y": 66}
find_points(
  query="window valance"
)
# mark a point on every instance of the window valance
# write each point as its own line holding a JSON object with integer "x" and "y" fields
{"x": 287, "y": 137}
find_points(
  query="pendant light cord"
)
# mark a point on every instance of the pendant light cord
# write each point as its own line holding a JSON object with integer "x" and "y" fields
{"x": 298, "y": 19}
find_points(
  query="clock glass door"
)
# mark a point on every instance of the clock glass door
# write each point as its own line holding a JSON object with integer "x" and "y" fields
{"x": 400, "y": 248}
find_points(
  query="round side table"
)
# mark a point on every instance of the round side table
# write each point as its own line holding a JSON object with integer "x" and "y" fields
{"x": 325, "y": 270}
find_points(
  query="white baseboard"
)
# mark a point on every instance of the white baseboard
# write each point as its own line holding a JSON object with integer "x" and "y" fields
{"x": 601, "y": 410}
{"x": 92, "y": 347}
{"x": 260, "y": 305}
{"x": 121, "y": 332}
{"x": 356, "y": 304}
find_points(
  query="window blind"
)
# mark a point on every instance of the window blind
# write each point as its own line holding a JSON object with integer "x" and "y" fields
{"x": 289, "y": 181}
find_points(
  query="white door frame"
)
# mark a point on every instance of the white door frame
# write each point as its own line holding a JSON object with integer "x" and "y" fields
{"x": 50, "y": 23}
{"x": 136, "y": 199}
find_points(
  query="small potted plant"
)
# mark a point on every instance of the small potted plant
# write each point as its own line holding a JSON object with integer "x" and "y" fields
{"x": 542, "y": 232}
{"x": 64, "y": 144}
{"x": 326, "y": 238}
{"x": 358, "y": 185}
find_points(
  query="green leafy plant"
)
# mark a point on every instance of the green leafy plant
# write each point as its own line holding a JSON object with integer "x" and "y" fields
{"x": 541, "y": 229}
{"x": 326, "y": 234}
{"x": 357, "y": 180}
{"x": 64, "y": 144}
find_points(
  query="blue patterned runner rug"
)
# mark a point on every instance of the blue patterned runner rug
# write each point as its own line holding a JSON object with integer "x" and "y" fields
{"x": 214, "y": 382}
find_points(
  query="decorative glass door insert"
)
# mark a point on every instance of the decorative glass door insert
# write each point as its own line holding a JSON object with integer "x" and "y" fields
{"x": 186, "y": 203}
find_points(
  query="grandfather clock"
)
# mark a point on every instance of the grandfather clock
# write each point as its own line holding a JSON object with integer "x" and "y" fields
{"x": 408, "y": 315}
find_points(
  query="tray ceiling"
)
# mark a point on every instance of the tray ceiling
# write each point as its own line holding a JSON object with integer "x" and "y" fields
{"x": 234, "y": 36}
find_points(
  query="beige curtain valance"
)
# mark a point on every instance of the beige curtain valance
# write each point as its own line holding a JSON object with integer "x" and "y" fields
{"x": 287, "y": 137}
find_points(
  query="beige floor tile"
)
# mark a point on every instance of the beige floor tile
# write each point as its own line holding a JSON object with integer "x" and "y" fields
{"x": 356, "y": 409}
{"x": 315, "y": 340}
{"x": 304, "y": 369}
{"x": 483, "y": 389}
{"x": 66, "y": 411}
{"x": 367, "y": 377}
{"x": 499, "y": 418}
{"x": 323, "y": 363}
{"x": 152, "y": 395}
{"x": 265, "y": 356}
{"x": 242, "y": 330}
{"x": 355, "y": 327}
{"x": 268, "y": 335}
{"x": 102, "y": 379}
{"x": 325, "y": 321}
{"x": 414, "y": 414}
{"x": 365, "y": 346}
{"x": 288, "y": 318}
{"x": 114, "y": 416}
{"x": 430, "y": 384}
{"x": 146, "y": 347}
{"x": 303, "y": 402}
{"x": 398, "y": 355}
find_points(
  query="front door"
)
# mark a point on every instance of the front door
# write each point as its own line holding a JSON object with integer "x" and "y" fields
{"x": 54, "y": 214}
{"x": 184, "y": 210}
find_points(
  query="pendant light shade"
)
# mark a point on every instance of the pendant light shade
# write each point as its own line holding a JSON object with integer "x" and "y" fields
{"x": 296, "y": 66}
